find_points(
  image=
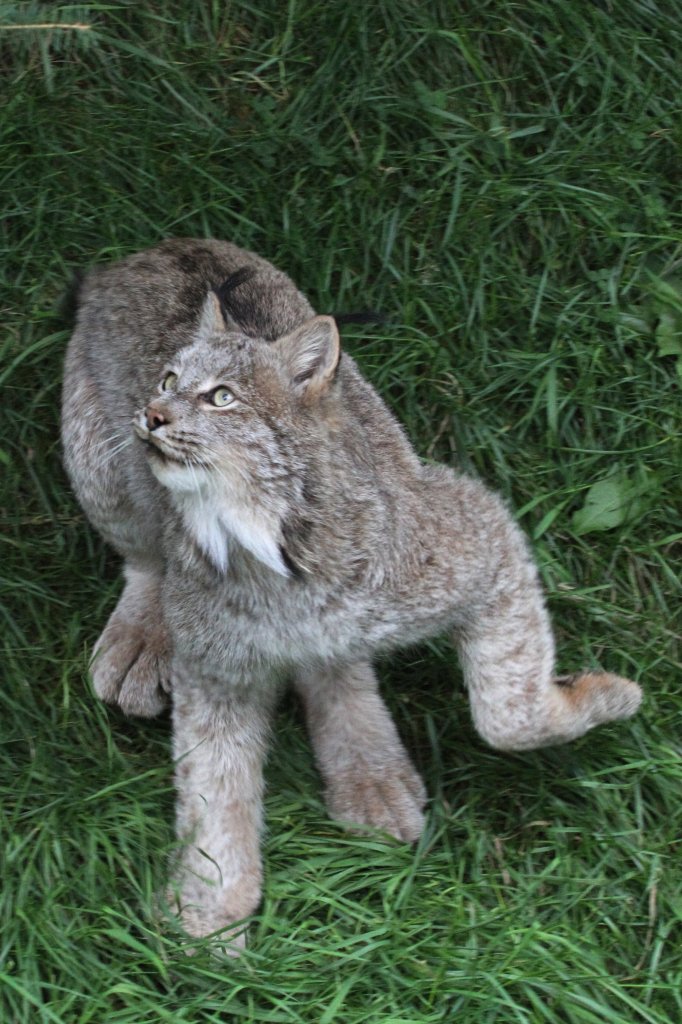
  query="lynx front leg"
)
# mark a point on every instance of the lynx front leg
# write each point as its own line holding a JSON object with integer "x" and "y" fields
{"x": 368, "y": 774}
{"x": 219, "y": 744}
{"x": 131, "y": 661}
{"x": 517, "y": 702}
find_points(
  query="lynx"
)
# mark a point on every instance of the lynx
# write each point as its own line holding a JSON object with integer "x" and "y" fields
{"x": 276, "y": 525}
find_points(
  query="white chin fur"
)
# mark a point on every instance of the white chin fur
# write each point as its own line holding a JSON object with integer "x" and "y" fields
{"x": 177, "y": 477}
{"x": 216, "y": 519}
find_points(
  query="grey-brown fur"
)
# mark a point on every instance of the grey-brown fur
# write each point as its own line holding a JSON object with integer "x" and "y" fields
{"x": 305, "y": 538}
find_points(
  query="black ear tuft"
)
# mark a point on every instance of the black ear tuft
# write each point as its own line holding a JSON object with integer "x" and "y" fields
{"x": 229, "y": 304}
{"x": 365, "y": 317}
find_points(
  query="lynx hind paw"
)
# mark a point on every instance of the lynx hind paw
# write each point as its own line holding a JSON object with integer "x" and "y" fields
{"x": 390, "y": 798}
{"x": 607, "y": 697}
{"x": 130, "y": 668}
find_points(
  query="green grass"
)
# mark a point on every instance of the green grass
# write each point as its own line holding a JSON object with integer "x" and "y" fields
{"x": 502, "y": 180}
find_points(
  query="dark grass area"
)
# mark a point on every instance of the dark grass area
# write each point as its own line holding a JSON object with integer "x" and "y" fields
{"x": 502, "y": 181}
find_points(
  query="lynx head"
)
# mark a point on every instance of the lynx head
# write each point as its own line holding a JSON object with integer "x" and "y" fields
{"x": 230, "y": 427}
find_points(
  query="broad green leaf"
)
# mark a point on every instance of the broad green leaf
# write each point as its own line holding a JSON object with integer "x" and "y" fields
{"x": 669, "y": 335}
{"x": 611, "y": 502}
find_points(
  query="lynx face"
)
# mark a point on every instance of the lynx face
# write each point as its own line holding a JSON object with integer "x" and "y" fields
{"x": 206, "y": 419}
{"x": 224, "y": 432}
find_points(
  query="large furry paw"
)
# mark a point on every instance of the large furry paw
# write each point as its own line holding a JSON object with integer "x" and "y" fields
{"x": 209, "y": 910}
{"x": 601, "y": 696}
{"x": 386, "y": 795}
{"x": 130, "y": 666}
{"x": 199, "y": 923}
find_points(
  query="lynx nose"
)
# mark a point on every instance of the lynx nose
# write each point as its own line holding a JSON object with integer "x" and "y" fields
{"x": 154, "y": 417}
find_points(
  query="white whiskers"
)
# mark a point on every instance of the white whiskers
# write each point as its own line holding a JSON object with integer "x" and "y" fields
{"x": 116, "y": 450}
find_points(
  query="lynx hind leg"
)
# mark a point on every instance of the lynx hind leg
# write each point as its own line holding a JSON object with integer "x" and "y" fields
{"x": 369, "y": 778}
{"x": 130, "y": 665}
{"x": 517, "y": 702}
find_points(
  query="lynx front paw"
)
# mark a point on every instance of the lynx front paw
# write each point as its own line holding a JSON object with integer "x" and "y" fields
{"x": 387, "y": 796}
{"x": 206, "y": 910}
{"x": 198, "y": 923}
{"x": 131, "y": 667}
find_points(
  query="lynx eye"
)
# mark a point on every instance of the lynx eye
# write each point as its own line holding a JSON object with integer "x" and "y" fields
{"x": 221, "y": 398}
{"x": 169, "y": 382}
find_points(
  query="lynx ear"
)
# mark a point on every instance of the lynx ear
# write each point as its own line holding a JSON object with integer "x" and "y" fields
{"x": 212, "y": 320}
{"x": 311, "y": 355}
